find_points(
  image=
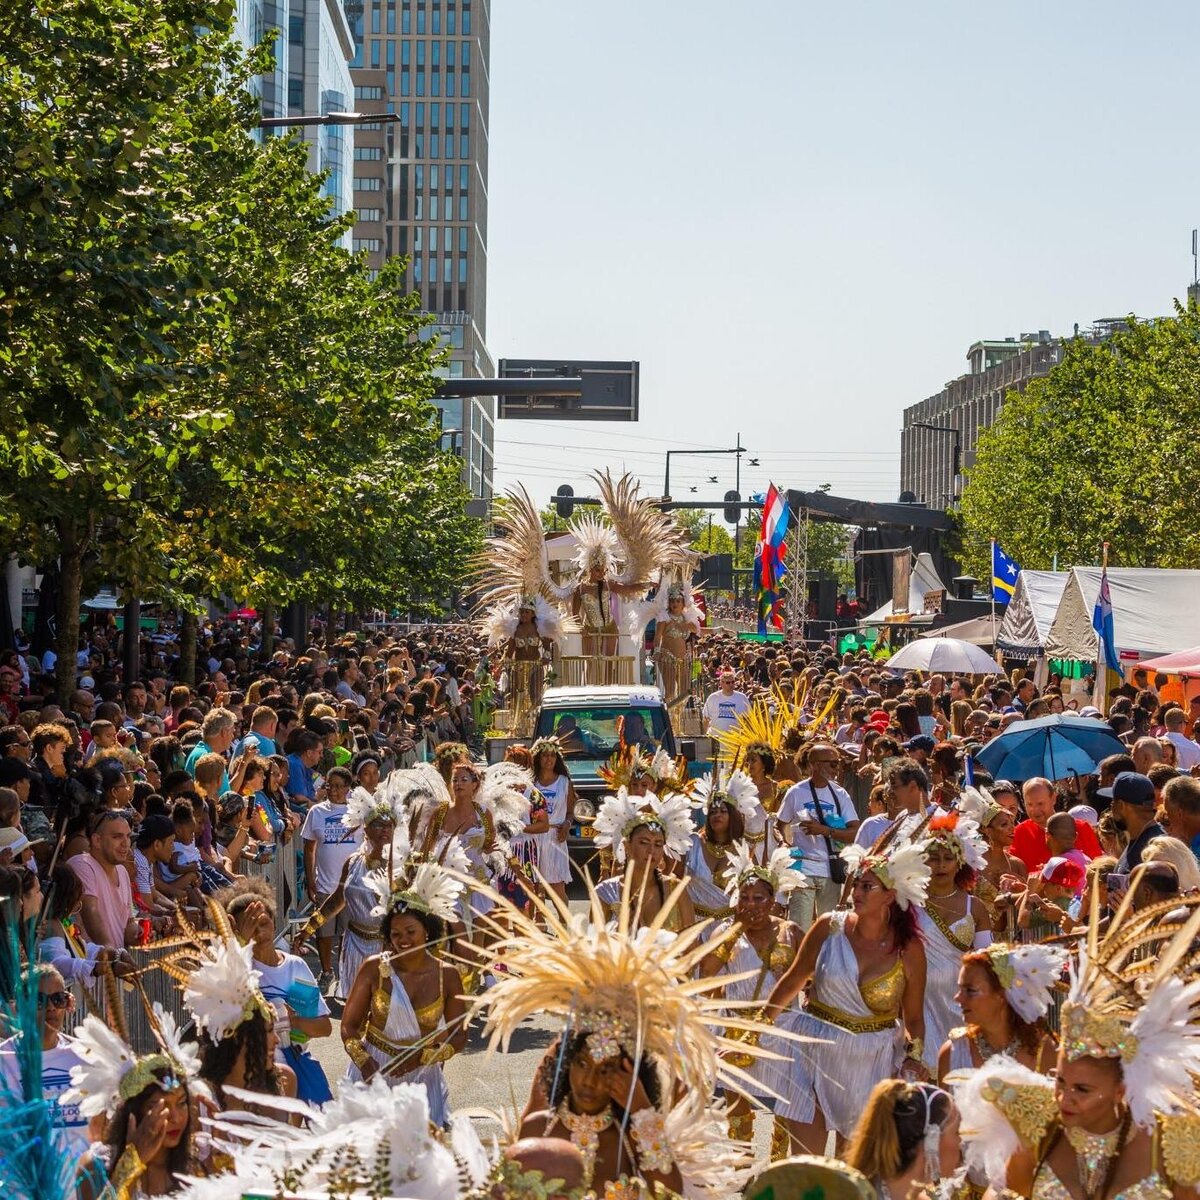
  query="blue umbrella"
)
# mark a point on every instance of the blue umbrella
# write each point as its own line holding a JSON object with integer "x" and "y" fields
{"x": 1052, "y": 746}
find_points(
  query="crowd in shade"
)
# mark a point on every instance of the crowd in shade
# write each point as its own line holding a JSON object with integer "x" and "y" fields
{"x": 841, "y": 954}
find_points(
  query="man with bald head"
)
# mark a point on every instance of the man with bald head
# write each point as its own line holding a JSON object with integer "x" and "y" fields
{"x": 1147, "y": 753}
{"x": 1029, "y": 838}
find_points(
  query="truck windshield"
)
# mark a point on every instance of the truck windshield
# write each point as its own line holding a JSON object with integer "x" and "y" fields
{"x": 591, "y": 732}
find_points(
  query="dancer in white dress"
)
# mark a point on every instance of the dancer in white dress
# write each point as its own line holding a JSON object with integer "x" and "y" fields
{"x": 730, "y": 801}
{"x": 764, "y": 947}
{"x": 405, "y": 1015}
{"x": 376, "y": 814}
{"x": 553, "y": 780}
{"x": 952, "y": 922}
{"x": 867, "y": 970}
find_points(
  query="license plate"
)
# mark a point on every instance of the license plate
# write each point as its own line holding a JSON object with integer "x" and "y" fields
{"x": 587, "y": 831}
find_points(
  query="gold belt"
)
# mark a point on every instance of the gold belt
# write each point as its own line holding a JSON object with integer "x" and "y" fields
{"x": 848, "y": 1021}
{"x": 366, "y": 932}
{"x": 376, "y": 1039}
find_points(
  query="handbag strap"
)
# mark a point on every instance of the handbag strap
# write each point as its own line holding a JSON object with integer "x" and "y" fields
{"x": 821, "y": 817}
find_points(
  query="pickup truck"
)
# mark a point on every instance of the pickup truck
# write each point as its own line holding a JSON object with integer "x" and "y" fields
{"x": 584, "y": 719}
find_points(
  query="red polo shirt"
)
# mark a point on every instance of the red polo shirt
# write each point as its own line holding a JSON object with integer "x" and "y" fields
{"x": 1029, "y": 843}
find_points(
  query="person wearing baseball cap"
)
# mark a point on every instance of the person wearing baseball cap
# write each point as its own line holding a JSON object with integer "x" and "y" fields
{"x": 920, "y": 747}
{"x": 1132, "y": 806}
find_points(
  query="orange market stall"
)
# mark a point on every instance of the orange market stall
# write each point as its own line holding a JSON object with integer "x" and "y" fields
{"x": 1182, "y": 670}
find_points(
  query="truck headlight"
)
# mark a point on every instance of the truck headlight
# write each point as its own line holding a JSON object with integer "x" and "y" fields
{"x": 585, "y": 809}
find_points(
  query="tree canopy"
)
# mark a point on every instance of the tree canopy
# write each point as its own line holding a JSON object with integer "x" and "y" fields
{"x": 1103, "y": 448}
{"x": 202, "y": 393}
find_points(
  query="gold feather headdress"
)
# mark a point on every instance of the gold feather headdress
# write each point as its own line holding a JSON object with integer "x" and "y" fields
{"x": 1132, "y": 997}
{"x": 632, "y": 990}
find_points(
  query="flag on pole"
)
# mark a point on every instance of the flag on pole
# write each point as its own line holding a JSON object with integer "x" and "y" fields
{"x": 769, "y": 567}
{"x": 1102, "y": 623}
{"x": 1004, "y": 575}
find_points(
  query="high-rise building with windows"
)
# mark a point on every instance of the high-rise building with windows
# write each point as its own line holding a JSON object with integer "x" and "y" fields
{"x": 420, "y": 183}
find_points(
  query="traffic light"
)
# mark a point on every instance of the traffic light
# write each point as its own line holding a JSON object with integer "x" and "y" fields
{"x": 564, "y": 505}
{"x": 733, "y": 514}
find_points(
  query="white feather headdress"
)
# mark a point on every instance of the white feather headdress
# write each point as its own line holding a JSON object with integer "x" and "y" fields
{"x": 619, "y": 815}
{"x": 735, "y": 788}
{"x": 960, "y": 835}
{"x": 1028, "y": 974}
{"x": 363, "y": 807}
{"x": 659, "y": 609}
{"x": 501, "y": 620}
{"x": 901, "y": 867}
{"x": 427, "y": 887}
{"x": 222, "y": 991}
{"x": 780, "y": 873}
{"x": 110, "y": 1073}
{"x": 978, "y": 804}
{"x": 596, "y": 545}
{"x": 502, "y": 793}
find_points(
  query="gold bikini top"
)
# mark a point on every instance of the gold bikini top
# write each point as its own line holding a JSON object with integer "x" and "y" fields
{"x": 882, "y": 995}
{"x": 427, "y": 1016}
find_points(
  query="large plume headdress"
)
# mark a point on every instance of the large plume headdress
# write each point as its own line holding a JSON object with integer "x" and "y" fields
{"x": 1028, "y": 975}
{"x": 961, "y": 836}
{"x": 1132, "y": 997}
{"x": 897, "y": 859}
{"x": 632, "y": 990}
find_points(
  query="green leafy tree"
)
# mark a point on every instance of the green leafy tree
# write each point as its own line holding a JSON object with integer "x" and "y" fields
{"x": 1103, "y": 448}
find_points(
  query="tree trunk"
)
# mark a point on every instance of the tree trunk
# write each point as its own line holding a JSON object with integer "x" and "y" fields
{"x": 70, "y": 586}
{"x": 267, "y": 647}
{"x": 187, "y": 647}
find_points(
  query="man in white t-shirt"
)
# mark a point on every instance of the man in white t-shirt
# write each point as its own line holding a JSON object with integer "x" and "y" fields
{"x": 327, "y": 846}
{"x": 54, "y": 1002}
{"x": 724, "y": 706}
{"x": 817, "y": 816}
{"x": 1186, "y": 751}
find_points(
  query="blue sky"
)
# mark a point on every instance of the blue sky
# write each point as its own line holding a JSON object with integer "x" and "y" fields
{"x": 798, "y": 220}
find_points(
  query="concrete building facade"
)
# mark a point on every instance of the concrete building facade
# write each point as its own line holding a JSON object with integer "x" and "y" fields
{"x": 931, "y": 458}
{"x": 420, "y": 183}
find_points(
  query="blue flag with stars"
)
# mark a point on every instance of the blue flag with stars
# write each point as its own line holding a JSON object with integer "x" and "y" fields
{"x": 1004, "y": 575}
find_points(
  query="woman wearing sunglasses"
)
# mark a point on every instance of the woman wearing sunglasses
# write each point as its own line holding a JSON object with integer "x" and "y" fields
{"x": 54, "y": 1004}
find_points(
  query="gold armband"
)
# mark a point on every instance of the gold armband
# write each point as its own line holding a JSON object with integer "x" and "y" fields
{"x": 312, "y": 924}
{"x": 128, "y": 1171}
{"x": 437, "y": 1054}
{"x": 357, "y": 1050}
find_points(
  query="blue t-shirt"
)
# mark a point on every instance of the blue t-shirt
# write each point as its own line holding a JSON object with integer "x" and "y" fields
{"x": 300, "y": 779}
{"x": 266, "y": 745}
{"x": 199, "y": 750}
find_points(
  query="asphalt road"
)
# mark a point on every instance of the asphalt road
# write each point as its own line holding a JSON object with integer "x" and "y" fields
{"x": 482, "y": 1081}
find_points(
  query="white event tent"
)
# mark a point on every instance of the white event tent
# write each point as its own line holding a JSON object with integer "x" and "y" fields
{"x": 1030, "y": 613}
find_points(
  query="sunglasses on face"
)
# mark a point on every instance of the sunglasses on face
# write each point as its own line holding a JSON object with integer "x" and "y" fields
{"x": 53, "y": 999}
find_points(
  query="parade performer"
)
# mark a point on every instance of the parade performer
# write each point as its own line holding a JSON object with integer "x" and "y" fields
{"x": 951, "y": 921}
{"x": 221, "y": 993}
{"x": 997, "y": 825}
{"x": 621, "y": 556}
{"x": 1121, "y": 1119}
{"x": 1004, "y": 993}
{"x": 376, "y": 814}
{"x": 907, "y": 1140}
{"x": 866, "y": 1003}
{"x": 404, "y": 1016}
{"x": 730, "y": 804}
{"x": 643, "y": 1048}
{"x": 552, "y": 779}
{"x": 677, "y": 622}
{"x": 525, "y": 632}
{"x": 640, "y": 830}
{"x": 756, "y": 954}
{"x": 146, "y": 1103}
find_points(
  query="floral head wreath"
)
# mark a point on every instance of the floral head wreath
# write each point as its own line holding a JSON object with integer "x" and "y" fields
{"x": 545, "y": 745}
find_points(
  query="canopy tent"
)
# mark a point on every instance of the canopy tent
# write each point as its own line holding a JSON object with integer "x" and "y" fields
{"x": 924, "y": 578}
{"x": 1185, "y": 662}
{"x": 1154, "y": 612}
{"x": 979, "y": 631}
{"x": 1030, "y": 613}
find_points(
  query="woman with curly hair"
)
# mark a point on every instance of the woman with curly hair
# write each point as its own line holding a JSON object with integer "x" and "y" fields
{"x": 1004, "y": 993}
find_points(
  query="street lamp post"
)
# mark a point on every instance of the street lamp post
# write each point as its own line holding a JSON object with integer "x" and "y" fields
{"x": 333, "y": 118}
{"x": 955, "y": 483}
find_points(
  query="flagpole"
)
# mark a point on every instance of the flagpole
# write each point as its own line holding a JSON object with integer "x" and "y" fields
{"x": 992, "y": 591}
{"x": 1100, "y": 692}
